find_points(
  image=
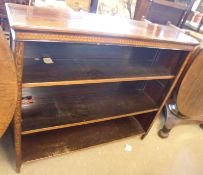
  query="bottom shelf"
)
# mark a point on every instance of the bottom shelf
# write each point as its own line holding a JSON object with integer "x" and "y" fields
{"x": 52, "y": 143}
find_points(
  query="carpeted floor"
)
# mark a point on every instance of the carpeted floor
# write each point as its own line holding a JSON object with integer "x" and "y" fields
{"x": 180, "y": 154}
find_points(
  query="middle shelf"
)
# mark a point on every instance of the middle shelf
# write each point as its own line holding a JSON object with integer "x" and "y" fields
{"x": 65, "y": 106}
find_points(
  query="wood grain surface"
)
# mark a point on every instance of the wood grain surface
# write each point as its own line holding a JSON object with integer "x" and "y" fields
{"x": 61, "y": 105}
{"x": 190, "y": 95}
{"x": 19, "y": 52}
{"x": 8, "y": 84}
{"x": 49, "y": 20}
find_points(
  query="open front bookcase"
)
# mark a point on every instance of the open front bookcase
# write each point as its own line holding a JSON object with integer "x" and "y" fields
{"x": 108, "y": 78}
{"x": 91, "y": 94}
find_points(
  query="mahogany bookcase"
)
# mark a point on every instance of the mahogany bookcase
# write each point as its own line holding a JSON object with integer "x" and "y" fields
{"x": 109, "y": 78}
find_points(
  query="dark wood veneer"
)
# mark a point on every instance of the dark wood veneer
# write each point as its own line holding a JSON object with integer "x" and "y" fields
{"x": 92, "y": 80}
{"x": 74, "y": 62}
{"x": 52, "y": 143}
{"x": 79, "y": 104}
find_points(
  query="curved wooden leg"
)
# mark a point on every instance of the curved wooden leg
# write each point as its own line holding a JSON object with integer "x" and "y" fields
{"x": 170, "y": 122}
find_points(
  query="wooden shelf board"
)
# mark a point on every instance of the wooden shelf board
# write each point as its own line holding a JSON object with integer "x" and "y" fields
{"x": 58, "y": 107}
{"x": 87, "y": 122}
{"x": 53, "y": 143}
{"x": 90, "y": 63}
{"x": 82, "y": 70}
{"x": 111, "y": 80}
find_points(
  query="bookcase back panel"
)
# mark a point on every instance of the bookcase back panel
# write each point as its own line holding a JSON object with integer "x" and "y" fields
{"x": 89, "y": 61}
{"x": 72, "y": 105}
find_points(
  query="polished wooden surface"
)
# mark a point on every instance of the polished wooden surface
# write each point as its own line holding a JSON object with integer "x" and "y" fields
{"x": 186, "y": 108}
{"x": 28, "y": 18}
{"x": 196, "y": 35}
{"x": 3, "y": 15}
{"x": 8, "y": 84}
{"x": 190, "y": 94}
{"x": 171, "y": 51}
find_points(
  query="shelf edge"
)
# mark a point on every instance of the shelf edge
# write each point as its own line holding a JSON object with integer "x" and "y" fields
{"x": 110, "y": 80}
{"x": 87, "y": 122}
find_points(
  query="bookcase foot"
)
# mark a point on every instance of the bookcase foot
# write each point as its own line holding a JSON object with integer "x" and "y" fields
{"x": 18, "y": 166}
{"x": 18, "y": 169}
{"x": 143, "y": 136}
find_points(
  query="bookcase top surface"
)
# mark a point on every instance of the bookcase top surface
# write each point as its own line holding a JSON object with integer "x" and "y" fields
{"x": 66, "y": 21}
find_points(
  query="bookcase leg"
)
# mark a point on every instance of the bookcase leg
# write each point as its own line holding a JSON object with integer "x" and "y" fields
{"x": 143, "y": 136}
{"x": 18, "y": 167}
{"x": 17, "y": 138}
{"x": 19, "y": 54}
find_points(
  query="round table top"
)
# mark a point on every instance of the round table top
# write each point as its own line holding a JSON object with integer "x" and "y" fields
{"x": 8, "y": 84}
{"x": 190, "y": 94}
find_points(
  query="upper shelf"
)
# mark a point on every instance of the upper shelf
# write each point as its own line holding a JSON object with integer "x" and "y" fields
{"x": 77, "y": 71}
{"x": 88, "y": 63}
{"x": 66, "y": 21}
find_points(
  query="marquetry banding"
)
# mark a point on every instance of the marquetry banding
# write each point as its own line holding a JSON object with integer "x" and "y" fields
{"x": 26, "y": 36}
